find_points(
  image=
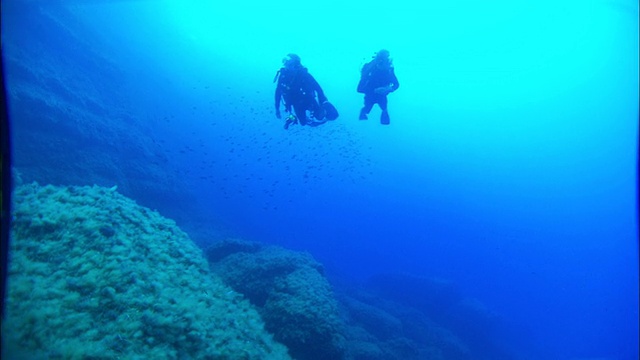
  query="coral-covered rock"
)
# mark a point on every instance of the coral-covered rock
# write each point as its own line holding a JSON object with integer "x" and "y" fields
{"x": 377, "y": 321}
{"x": 294, "y": 298}
{"x": 94, "y": 275}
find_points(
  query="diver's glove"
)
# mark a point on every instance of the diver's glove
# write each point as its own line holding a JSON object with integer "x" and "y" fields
{"x": 278, "y": 115}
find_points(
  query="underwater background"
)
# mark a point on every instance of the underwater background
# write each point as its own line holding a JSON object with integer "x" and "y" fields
{"x": 506, "y": 181}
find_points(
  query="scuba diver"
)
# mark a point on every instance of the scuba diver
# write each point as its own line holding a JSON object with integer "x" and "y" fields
{"x": 377, "y": 80}
{"x": 302, "y": 93}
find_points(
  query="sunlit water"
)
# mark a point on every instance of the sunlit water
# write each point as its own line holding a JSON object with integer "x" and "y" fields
{"x": 509, "y": 166}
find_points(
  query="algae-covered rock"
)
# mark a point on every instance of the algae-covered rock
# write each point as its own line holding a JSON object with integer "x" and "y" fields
{"x": 291, "y": 292}
{"x": 95, "y": 276}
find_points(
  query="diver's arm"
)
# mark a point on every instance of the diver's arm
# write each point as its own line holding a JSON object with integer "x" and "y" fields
{"x": 389, "y": 83}
{"x": 365, "y": 76}
{"x": 278, "y": 97}
{"x": 395, "y": 84}
{"x": 315, "y": 86}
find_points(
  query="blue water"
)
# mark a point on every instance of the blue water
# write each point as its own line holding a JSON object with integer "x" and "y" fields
{"x": 509, "y": 167}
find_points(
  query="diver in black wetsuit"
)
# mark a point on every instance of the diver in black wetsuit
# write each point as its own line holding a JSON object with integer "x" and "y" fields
{"x": 301, "y": 91}
{"x": 377, "y": 80}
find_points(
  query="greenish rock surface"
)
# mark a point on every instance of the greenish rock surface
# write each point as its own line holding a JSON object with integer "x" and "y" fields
{"x": 291, "y": 293}
{"x": 93, "y": 275}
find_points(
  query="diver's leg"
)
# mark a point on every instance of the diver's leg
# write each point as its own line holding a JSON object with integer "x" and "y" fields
{"x": 301, "y": 114}
{"x": 368, "y": 104}
{"x": 384, "y": 116}
{"x": 318, "y": 111}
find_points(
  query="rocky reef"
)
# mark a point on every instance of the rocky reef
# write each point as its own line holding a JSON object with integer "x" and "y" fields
{"x": 290, "y": 291}
{"x": 93, "y": 275}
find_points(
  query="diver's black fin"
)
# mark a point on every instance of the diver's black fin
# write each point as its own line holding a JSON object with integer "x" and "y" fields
{"x": 331, "y": 113}
{"x": 384, "y": 118}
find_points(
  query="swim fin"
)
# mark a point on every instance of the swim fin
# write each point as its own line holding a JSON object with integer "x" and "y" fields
{"x": 331, "y": 113}
{"x": 384, "y": 118}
